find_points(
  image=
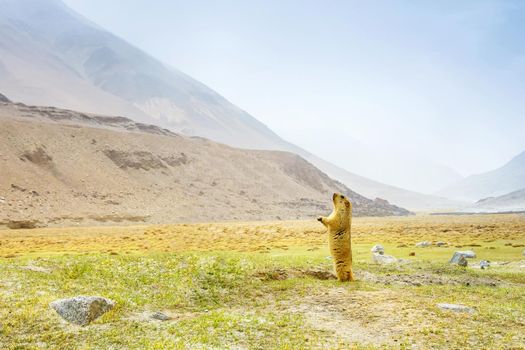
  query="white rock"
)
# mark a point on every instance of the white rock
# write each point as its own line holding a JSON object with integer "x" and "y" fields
{"x": 483, "y": 264}
{"x": 383, "y": 259}
{"x": 423, "y": 244}
{"x": 469, "y": 254}
{"x": 378, "y": 248}
{"x": 455, "y": 307}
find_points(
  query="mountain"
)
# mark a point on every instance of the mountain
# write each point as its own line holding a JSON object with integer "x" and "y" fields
{"x": 61, "y": 166}
{"x": 508, "y": 178}
{"x": 50, "y": 55}
{"x": 514, "y": 201}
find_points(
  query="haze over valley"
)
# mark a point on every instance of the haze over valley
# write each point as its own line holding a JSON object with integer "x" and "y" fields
{"x": 94, "y": 71}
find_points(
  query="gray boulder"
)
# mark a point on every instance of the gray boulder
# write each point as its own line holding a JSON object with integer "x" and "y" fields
{"x": 378, "y": 248}
{"x": 423, "y": 244}
{"x": 440, "y": 244}
{"x": 455, "y": 307}
{"x": 458, "y": 259}
{"x": 383, "y": 259}
{"x": 82, "y": 310}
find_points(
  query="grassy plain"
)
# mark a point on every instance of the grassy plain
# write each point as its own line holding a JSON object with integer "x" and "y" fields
{"x": 265, "y": 285}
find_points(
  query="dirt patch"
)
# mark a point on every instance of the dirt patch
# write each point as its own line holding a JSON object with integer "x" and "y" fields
{"x": 416, "y": 279}
{"x": 364, "y": 317}
{"x": 420, "y": 279}
{"x": 283, "y": 274}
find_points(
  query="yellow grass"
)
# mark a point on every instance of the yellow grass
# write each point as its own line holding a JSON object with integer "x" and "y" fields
{"x": 460, "y": 231}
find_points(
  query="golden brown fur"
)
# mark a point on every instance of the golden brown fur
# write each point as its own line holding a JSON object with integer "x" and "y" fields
{"x": 339, "y": 236}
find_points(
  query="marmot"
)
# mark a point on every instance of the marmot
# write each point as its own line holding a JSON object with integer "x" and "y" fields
{"x": 339, "y": 223}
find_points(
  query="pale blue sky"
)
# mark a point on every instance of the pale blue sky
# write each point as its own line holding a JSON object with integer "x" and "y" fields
{"x": 440, "y": 80}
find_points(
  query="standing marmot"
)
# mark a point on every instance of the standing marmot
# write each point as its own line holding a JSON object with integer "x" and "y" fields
{"x": 338, "y": 224}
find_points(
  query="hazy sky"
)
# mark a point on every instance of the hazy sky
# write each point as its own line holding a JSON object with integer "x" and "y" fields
{"x": 441, "y": 80}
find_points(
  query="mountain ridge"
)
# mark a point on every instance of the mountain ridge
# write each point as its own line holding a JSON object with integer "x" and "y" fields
{"x": 95, "y": 71}
{"x": 62, "y": 167}
{"x": 498, "y": 182}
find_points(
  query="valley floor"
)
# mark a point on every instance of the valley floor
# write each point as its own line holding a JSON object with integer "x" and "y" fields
{"x": 267, "y": 285}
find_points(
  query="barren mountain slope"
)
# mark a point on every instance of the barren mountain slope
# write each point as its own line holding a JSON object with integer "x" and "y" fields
{"x": 92, "y": 70}
{"x": 514, "y": 201}
{"x": 59, "y": 166}
{"x": 508, "y": 178}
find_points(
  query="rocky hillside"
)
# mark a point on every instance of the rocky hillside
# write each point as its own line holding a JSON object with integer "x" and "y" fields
{"x": 61, "y": 167}
{"x": 94, "y": 71}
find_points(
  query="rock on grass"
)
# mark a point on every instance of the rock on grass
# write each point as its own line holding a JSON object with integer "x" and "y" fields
{"x": 378, "y": 248}
{"x": 383, "y": 259}
{"x": 82, "y": 310}
{"x": 455, "y": 307}
{"x": 458, "y": 259}
{"x": 468, "y": 254}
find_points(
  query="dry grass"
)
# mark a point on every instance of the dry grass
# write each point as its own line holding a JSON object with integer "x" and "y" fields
{"x": 458, "y": 231}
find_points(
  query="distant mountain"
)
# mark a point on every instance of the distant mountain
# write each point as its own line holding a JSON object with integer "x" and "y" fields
{"x": 514, "y": 201}
{"x": 495, "y": 183}
{"x": 50, "y": 55}
{"x": 63, "y": 167}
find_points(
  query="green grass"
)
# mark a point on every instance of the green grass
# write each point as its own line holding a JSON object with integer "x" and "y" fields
{"x": 218, "y": 299}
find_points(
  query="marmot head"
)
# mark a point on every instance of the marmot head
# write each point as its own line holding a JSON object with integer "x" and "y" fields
{"x": 341, "y": 203}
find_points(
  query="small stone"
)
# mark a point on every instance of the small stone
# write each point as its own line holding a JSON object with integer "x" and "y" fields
{"x": 458, "y": 259}
{"x": 423, "y": 244}
{"x": 483, "y": 264}
{"x": 378, "y": 248}
{"x": 160, "y": 316}
{"x": 383, "y": 259}
{"x": 455, "y": 307}
{"x": 82, "y": 310}
{"x": 469, "y": 254}
{"x": 412, "y": 254}
{"x": 440, "y": 244}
